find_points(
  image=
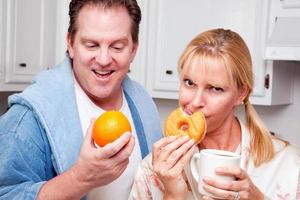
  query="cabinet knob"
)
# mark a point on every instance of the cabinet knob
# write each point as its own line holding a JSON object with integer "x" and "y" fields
{"x": 22, "y": 65}
{"x": 129, "y": 70}
{"x": 169, "y": 72}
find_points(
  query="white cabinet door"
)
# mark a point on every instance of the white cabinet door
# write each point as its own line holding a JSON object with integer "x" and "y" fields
{"x": 28, "y": 40}
{"x": 173, "y": 23}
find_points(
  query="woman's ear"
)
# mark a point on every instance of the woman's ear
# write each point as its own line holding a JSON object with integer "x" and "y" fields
{"x": 243, "y": 93}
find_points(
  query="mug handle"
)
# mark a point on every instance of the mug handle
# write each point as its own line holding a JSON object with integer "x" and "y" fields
{"x": 194, "y": 166}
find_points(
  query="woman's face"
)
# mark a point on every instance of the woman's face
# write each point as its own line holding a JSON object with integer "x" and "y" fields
{"x": 209, "y": 90}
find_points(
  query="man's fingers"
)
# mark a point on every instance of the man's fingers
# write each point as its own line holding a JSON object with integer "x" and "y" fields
{"x": 125, "y": 152}
{"x": 113, "y": 148}
{"x": 88, "y": 140}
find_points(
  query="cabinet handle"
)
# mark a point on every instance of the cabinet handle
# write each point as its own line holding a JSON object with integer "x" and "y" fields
{"x": 169, "y": 72}
{"x": 22, "y": 65}
{"x": 267, "y": 81}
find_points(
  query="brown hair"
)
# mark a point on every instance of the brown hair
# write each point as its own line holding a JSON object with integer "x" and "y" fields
{"x": 229, "y": 47}
{"x": 131, "y": 6}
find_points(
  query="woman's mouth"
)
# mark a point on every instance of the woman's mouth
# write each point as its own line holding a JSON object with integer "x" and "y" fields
{"x": 187, "y": 111}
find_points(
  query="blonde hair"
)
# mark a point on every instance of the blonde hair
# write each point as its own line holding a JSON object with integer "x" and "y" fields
{"x": 230, "y": 48}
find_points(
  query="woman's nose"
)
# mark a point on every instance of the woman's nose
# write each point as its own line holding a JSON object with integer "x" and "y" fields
{"x": 198, "y": 101}
{"x": 104, "y": 57}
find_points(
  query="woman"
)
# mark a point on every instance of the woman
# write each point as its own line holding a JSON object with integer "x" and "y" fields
{"x": 215, "y": 77}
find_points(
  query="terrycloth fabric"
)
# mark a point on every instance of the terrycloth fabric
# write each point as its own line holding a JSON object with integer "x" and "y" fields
{"x": 277, "y": 179}
{"x": 40, "y": 136}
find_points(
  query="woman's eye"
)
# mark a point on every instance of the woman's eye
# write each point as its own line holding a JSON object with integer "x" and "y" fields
{"x": 217, "y": 89}
{"x": 188, "y": 82}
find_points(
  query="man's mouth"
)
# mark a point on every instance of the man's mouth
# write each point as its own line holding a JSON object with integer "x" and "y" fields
{"x": 103, "y": 73}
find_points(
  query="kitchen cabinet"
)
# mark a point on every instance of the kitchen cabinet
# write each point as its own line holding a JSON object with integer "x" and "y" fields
{"x": 172, "y": 24}
{"x": 137, "y": 69}
{"x": 27, "y": 36}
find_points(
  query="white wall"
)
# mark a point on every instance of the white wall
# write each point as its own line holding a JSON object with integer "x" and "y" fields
{"x": 284, "y": 120}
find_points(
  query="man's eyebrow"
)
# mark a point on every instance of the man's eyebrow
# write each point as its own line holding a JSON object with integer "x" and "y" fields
{"x": 121, "y": 40}
{"x": 87, "y": 40}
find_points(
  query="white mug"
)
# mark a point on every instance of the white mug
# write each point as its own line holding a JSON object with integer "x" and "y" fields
{"x": 204, "y": 164}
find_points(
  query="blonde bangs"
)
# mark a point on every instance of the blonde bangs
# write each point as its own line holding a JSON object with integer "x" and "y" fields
{"x": 206, "y": 60}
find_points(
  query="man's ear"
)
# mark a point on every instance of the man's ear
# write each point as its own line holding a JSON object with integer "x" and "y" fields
{"x": 243, "y": 93}
{"x": 134, "y": 50}
{"x": 69, "y": 45}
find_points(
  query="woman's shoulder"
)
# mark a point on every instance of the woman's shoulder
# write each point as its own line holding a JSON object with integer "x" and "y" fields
{"x": 284, "y": 147}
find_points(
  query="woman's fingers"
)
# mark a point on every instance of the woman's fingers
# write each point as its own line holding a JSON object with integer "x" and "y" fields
{"x": 179, "y": 166}
{"x": 164, "y": 151}
{"x": 232, "y": 171}
{"x": 180, "y": 156}
{"x": 157, "y": 146}
{"x": 224, "y": 185}
{"x": 215, "y": 191}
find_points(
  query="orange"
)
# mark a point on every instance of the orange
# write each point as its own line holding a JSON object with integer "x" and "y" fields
{"x": 109, "y": 126}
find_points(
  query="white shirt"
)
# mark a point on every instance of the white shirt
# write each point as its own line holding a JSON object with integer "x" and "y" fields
{"x": 119, "y": 188}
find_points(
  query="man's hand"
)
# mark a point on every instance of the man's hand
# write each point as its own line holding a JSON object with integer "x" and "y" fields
{"x": 95, "y": 167}
{"x": 100, "y": 166}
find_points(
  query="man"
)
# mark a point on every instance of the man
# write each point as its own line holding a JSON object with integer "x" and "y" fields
{"x": 47, "y": 151}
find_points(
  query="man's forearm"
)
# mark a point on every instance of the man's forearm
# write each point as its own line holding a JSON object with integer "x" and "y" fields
{"x": 63, "y": 187}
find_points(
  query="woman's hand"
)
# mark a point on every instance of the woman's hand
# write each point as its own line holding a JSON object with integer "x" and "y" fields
{"x": 240, "y": 189}
{"x": 169, "y": 157}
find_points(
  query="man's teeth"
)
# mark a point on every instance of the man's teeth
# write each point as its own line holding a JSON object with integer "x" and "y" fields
{"x": 103, "y": 73}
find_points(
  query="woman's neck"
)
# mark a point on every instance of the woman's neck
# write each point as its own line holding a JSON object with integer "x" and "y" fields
{"x": 227, "y": 137}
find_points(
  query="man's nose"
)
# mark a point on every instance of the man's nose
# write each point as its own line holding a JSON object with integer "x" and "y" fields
{"x": 104, "y": 57}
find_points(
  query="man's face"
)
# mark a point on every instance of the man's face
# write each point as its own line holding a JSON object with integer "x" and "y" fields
{"x": 102, "y": 51}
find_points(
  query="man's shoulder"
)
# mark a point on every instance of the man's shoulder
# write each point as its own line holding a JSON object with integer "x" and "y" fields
{"x": 134, "y": 88}
{"x": 19, "y": 119}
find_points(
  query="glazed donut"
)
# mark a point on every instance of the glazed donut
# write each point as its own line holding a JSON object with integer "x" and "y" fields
{"x": 179, "y": 124}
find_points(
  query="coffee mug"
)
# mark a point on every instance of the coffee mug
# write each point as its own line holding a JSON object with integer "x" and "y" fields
{"x": 206, "y": 161}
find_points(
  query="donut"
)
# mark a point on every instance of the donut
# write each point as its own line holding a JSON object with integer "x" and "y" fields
{"x": 178, "y": 123}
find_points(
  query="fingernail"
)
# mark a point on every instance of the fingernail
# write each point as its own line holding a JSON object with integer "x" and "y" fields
{"x": 191, "y": 141}
{"x": 172, "y": 138}
{"x": 127, "y": 134}
{"x": 219, "y": 169}
{"x": 186, "y": 137}
{"x": 206, "y": 179}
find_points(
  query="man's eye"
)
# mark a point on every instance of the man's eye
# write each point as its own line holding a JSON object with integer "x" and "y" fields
{"x": 188, "y": 82}
{"x": 117, "y": 48}
{"x": 90, "y": 45}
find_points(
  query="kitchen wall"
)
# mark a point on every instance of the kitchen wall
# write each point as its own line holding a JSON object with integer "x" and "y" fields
{"x": 283, "y": 120}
